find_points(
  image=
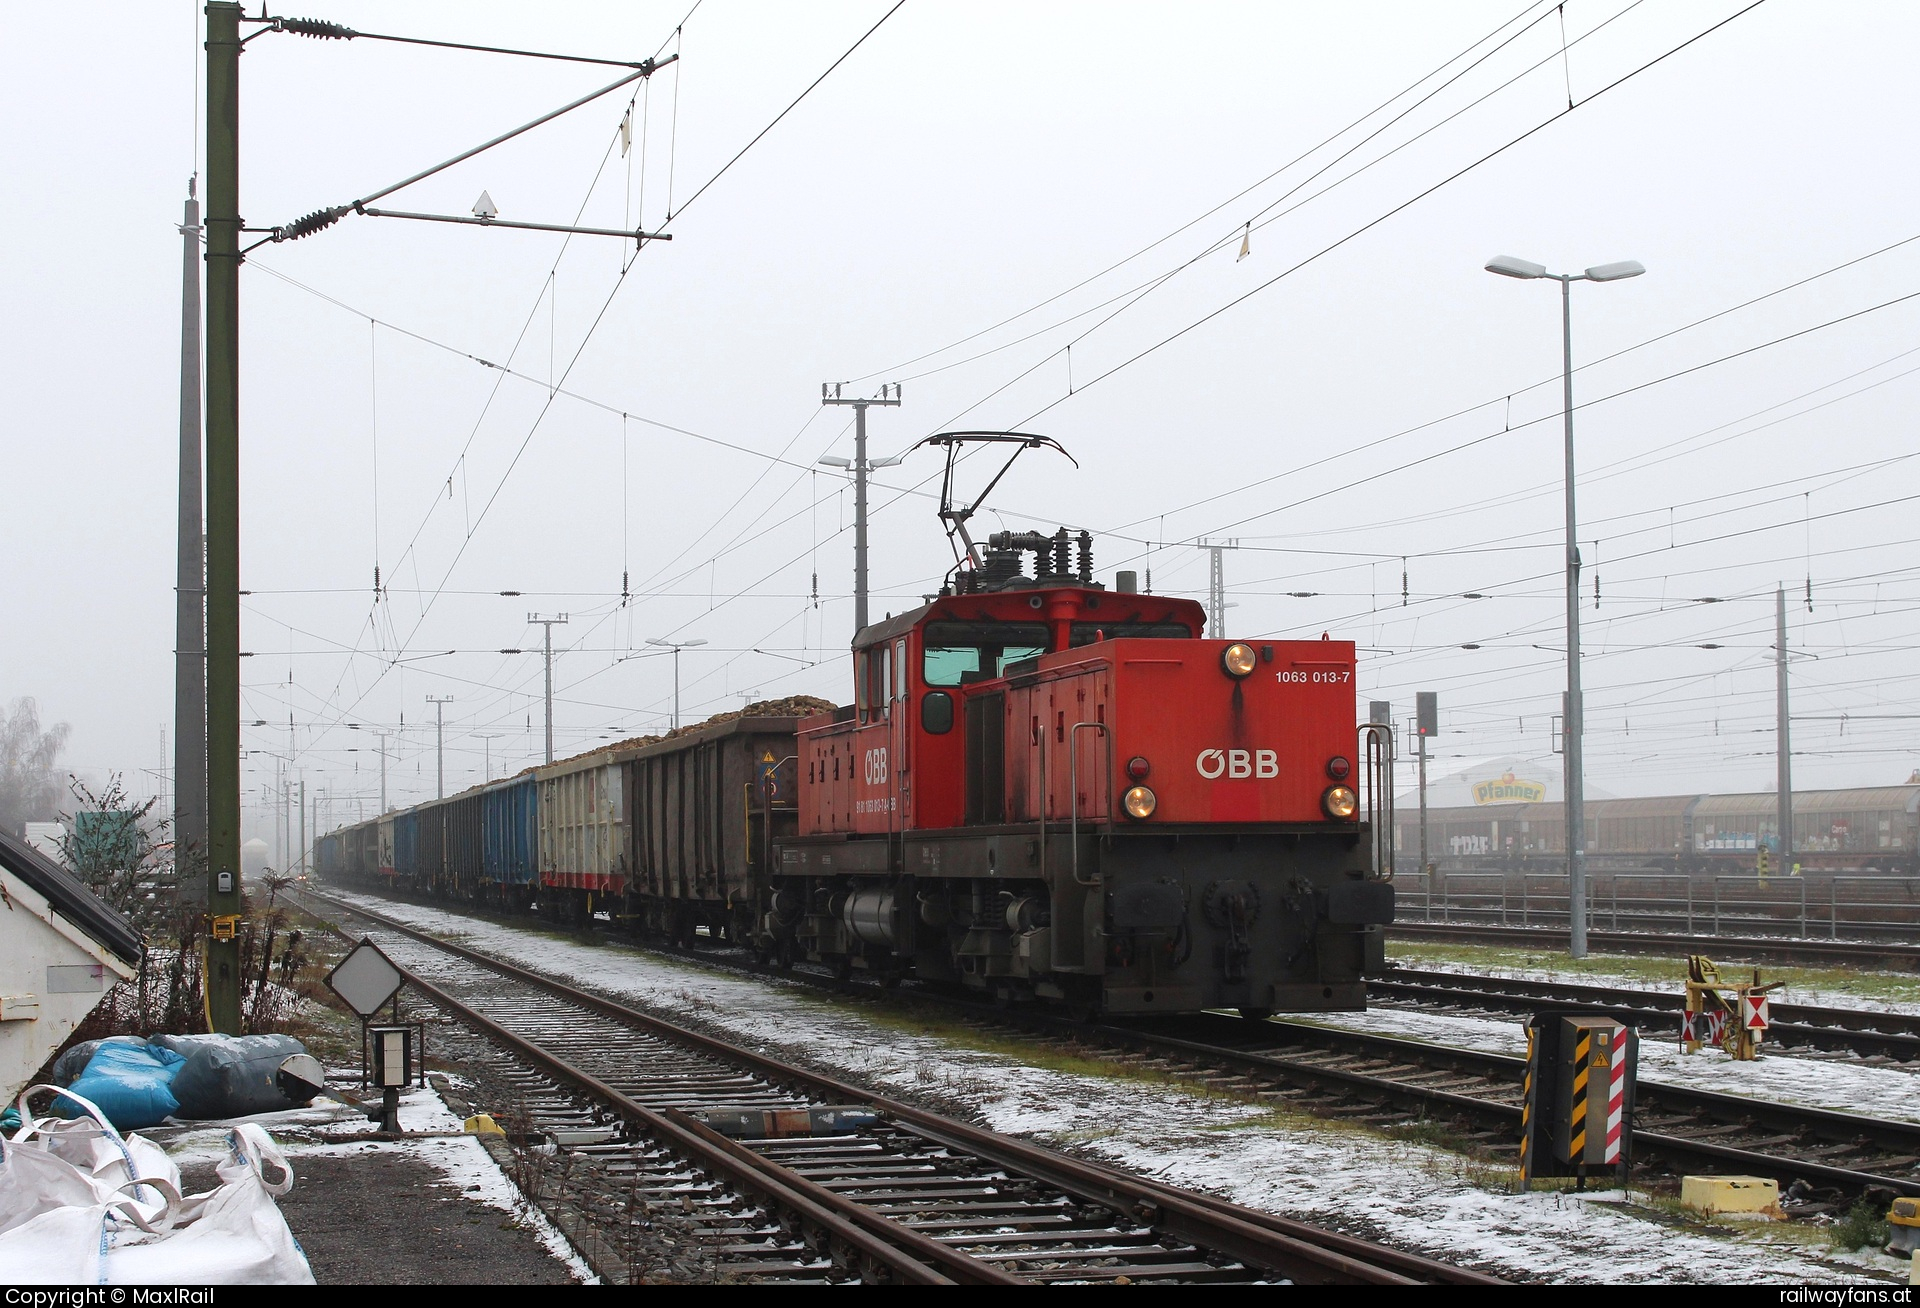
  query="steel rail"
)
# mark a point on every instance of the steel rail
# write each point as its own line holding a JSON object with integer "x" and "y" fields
{"x": 1298, "y": 1250}
{"x": 856, "y": 1225}
{"x": 1856, "y": 1030}
{"x": 1505, "y": 1070}
{"x": 1762, "y": 949}
{"x": 1492, "y": 1069}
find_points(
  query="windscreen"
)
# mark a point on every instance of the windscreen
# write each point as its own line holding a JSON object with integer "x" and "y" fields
{"x": 958, "y": 652}
{"x": 1085, "y": 633}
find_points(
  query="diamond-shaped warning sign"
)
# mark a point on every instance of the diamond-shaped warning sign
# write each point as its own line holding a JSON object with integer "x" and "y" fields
{"x": 366, "y": 978}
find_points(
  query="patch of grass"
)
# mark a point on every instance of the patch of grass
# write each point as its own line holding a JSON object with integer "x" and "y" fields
{"x": 1439, "y": 1135}
{"x": 919, "y": 1021}
{"x": 1270, "y": 1118}
{"x": 1864, "y": 1227}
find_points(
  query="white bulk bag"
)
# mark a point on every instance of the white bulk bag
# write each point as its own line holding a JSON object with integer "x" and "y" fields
{"x": 80, "y": 1205}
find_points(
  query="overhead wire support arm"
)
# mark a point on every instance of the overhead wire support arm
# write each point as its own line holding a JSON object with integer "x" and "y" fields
{"x": 321, "y": 30}
{"x": 320, "y": 219}
{"x": 635, "y": 235}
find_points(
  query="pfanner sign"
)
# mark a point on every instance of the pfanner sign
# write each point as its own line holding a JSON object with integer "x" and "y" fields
{"x": 1509, "y": 790}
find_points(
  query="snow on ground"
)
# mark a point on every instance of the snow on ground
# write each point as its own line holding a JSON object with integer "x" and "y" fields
{"x": 1423, "y": 1198}
{"x": 462, "y": 1161}
{"x": 1839, "y": 1084}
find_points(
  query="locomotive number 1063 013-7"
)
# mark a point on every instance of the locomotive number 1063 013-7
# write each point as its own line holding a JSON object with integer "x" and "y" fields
{"x": 1300, "y": 676}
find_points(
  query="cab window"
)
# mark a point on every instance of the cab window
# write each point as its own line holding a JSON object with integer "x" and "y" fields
{"x": 1085, "y": 633}
{"x": 874, "y": 688}
{"x": 957, "y": 653}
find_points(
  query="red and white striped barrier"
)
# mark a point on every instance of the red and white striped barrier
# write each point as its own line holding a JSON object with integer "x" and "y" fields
{"x": 1704, "y": 1028}
{"x": 1617, "y": 1096}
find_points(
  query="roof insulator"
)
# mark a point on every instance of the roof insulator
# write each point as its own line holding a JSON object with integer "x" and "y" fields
{"x": 318, "y": 220}
{"x": 318, "y": 28}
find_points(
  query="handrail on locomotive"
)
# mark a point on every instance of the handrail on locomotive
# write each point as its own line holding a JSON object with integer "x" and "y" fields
{"x": 1377, "y": 746}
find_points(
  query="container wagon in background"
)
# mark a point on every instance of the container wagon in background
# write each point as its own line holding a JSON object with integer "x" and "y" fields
{"x": 1870, "y": 829}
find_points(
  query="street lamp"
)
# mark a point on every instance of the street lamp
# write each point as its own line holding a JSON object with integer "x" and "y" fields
{"x": 860, "y": 465}
{"x": 676, "y": 646}
{"x": 1574, "y": 716}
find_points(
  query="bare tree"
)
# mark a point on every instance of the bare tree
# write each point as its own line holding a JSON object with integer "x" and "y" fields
{"x": 29, "y": 787}
{"x": 111, "y": 845}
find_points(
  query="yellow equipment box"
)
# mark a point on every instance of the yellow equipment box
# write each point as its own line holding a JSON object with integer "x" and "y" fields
{"x": 1730, "y": 1194}
{"x": 1903, "y": 1228}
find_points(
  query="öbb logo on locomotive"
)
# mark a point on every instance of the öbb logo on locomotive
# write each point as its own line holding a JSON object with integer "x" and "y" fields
{"x": 1236, "y": 763}
{"x": 1000, "y": 804}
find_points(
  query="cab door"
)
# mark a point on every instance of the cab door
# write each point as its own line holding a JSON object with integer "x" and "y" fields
{"x": 900, "y": 738}
{"x": 875, "y": 795}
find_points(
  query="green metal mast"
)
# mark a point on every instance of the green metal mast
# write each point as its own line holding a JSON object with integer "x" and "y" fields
{"x": 223, "y": 516}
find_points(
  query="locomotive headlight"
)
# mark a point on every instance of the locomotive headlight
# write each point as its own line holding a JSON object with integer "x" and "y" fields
{"x": 1238, "y": 660}
{"x": 1139, "y": 803}
{"x": 1340, "y": 802}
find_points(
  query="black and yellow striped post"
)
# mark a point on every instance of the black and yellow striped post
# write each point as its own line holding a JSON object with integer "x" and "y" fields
{"x": 1577, "y": 1097}
{"x": 1527, "y": 1110}
{"x": 1577, "y": 1113}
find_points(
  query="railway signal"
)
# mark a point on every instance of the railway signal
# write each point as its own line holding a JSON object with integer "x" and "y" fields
{"x": 1426, "y": 722}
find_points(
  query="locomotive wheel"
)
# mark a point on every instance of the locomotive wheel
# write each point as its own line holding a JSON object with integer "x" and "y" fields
{"x": 783, "y": 956}
{"x": 842, "y": 969}
{"x": 1256, "y": 1014}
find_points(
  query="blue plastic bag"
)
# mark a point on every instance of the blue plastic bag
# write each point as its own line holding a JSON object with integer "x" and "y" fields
{"x": 230, "y": 1076}
{"x": 131, "y": 1084}
{"x": 68, "y": 1067}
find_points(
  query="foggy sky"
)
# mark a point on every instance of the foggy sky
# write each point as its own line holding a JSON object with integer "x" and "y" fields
{"x": 966, "y": 164}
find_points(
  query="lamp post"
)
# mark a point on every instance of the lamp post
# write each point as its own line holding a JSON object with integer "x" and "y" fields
{"x": 1574, "y": 727}
{"x": 676, "y": 646}
{"x": 439, "y": 703}
{"x": 547, "y": 624}
{"x": 860, "y": 465}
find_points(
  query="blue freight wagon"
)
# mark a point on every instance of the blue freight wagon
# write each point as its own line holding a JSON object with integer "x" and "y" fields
{"x": 406, "y": 847}
{"x": 327, "y": 863}
{"x": 511, "y": 830}
{"x": 466, "y": 876}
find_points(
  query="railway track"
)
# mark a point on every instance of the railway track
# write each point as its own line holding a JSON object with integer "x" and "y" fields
{"x": 1385, "y": 1081}
{"x": 1896, "y": 956}
{"x": 848, "y": 1186}
{"x": 1799, "y": 1028}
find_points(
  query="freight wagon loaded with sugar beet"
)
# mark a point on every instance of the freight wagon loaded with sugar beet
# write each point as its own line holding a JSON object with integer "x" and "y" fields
{"x": 1042, "y": 789}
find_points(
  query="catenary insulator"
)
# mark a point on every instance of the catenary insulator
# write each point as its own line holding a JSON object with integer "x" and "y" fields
{"x": 318, "y": 28}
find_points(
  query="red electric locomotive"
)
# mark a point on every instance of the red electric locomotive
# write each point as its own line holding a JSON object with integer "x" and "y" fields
{"x": 1047, "y": 789}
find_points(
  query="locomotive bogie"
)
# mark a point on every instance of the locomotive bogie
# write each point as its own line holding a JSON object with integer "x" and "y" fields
{"x": 1175, "y": 920}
